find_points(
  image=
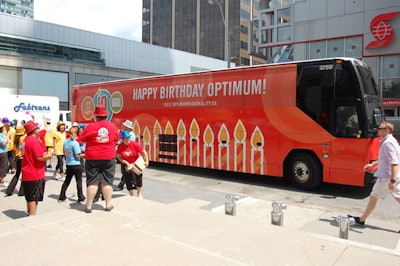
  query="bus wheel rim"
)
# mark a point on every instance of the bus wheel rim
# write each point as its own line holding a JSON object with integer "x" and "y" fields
{"x": 301, "y": 172}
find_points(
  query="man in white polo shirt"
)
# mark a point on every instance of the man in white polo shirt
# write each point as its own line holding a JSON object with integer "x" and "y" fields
{"x": 388, "y": 173}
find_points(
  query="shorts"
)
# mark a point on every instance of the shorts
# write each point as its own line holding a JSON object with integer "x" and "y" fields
{"x": 99, "y": 171}
{"x": 381, "y": 189}
{"x": 131, "y": 178}
{"x": 34, "y": 190}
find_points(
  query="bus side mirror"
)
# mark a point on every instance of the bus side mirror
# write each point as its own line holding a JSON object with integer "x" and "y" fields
{"x": 378, "y": 118}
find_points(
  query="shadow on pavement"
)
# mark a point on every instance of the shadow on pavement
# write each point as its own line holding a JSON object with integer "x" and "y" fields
{"x": 326, "y": 190}
{"x": 15, "y": 214}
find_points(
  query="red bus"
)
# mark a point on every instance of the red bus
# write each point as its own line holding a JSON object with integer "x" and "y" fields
{"x": 309, "y": 121}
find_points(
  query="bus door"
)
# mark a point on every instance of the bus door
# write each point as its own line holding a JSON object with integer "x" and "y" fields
{"x": 346, "y": 152}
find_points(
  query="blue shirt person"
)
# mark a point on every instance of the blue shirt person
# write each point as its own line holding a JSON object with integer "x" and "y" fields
{"x": 73, "y": 154}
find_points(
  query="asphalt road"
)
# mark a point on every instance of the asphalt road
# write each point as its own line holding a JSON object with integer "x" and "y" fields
{"x": 178, "y": 183}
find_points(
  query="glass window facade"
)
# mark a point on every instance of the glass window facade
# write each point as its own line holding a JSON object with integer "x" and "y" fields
{"x": 162, "y": 23}
{"x": 185, "y": 25}
{"x": 335, "y": 48}
{"x": 22, "y": 8}
{"x": 390, "y": 78}
{"x": 146, "y": 21}
{"x": 317, "y": 50}
{"x": 49, "y": 50}
{"x": 174, "y": 23}
{"x": 277, "y": 23}
{"x": 348, "y": 47}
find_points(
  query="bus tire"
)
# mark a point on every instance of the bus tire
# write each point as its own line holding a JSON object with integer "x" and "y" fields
{"x": 304, "y": 171}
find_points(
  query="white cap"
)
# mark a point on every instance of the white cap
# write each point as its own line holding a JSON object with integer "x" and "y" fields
{"x": 128, "y": 124}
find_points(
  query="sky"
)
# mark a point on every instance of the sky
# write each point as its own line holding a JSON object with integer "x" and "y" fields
{"x": 120, "y": 18}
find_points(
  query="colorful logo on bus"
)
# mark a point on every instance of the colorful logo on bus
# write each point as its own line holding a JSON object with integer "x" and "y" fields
{"x": 382, "y": 30}
{"x": 112, "y": 101}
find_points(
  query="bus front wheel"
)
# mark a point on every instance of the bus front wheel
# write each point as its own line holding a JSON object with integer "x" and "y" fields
{"x": 304, "y": 171}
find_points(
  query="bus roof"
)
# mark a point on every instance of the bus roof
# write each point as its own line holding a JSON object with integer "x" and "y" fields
{"x": 218, "y": 70}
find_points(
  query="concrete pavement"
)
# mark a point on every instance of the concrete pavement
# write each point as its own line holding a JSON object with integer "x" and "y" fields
{"x": 187, "y": 232}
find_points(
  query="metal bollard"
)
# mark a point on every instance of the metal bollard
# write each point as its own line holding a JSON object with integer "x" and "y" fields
{"x": 344, "y": 226}
{"x": 277, "y": 214}
{"x": 230, "y": 204}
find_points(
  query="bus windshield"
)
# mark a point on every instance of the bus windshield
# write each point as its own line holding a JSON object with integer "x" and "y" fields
{"x": 367, "y": 80}
{"x": 373, "y": 105}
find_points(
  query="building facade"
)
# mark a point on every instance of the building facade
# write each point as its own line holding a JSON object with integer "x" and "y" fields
{"x": 40, "y": 58}
{"x": 220, "y": 29}
{"x": 309, "y": 29}
{"x": 23, "y": 8}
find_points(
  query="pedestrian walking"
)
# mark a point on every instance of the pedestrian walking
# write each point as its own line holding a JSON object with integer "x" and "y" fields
{"x": 58, "y": 141}
{"x": 388, "y": 173}
{"x": 72, "y": 153}
{"x": 18, "y": 141}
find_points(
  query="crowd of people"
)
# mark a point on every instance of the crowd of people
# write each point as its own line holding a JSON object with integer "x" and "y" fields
{"x": 28, "y": 148}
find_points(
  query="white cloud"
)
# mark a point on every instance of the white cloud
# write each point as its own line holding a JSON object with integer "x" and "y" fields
{"x": 121, "y": 18}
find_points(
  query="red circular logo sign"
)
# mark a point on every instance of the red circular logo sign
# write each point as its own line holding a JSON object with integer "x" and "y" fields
{"x": 382, "y": 30}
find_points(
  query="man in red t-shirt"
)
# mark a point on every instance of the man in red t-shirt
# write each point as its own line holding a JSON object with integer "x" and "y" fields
{"x": 100, "y": 138}
{"x": 33, "y": 166}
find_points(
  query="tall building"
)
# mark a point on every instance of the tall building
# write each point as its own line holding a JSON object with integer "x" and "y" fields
{"x": 22, "y": 8}
{"x": 199, "y": 26}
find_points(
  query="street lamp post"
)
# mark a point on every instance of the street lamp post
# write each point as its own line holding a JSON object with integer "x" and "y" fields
{"x": 226, "y": 25}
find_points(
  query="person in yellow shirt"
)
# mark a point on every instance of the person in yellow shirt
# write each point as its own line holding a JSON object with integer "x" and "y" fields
{"x": 19, "y": 139}
{"x": 58, "y": 141}
{"x": 49, "y": 138}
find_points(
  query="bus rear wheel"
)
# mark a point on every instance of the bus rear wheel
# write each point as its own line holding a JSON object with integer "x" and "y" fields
{"x": 304, "y": 171}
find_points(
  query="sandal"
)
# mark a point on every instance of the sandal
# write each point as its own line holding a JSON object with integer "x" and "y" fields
{"x": 109, "y": 208}
{"x": 88, "y": 210}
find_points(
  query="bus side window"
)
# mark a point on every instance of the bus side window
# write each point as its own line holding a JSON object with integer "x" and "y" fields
{"x": 314, "y": 93}
{"x": 347, "y": 124}
{"x": 345, "y": 85}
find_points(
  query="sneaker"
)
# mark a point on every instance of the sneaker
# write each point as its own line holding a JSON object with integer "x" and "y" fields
{"x": 4, "y": 184}
{"x": 356, "y": 220}
{"x": 59, "y": 178}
